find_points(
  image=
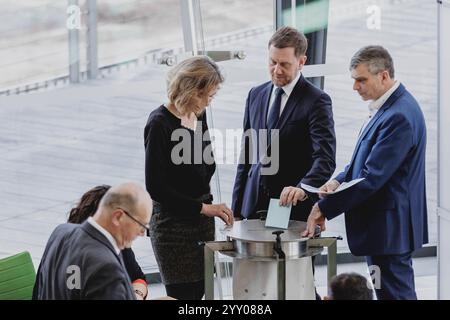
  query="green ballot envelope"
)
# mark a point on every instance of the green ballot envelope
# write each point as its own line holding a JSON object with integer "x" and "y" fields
{"x": 277, "y": 216}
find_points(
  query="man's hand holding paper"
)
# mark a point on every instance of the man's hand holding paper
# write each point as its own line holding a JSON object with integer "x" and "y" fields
{"x": 332, "y": 186}
{"x": 328, "y": 188}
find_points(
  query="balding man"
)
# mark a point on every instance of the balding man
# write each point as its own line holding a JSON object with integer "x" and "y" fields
{"x": 84, "y": 261}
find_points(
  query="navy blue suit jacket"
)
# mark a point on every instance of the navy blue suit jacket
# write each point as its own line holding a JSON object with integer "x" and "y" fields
{"x": 386, "y": 213}
{"x": 307, "y": 146}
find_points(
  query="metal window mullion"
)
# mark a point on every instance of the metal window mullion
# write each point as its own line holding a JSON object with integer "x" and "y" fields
{"x": 91, "y": 48}
{"x": 190, "y": 15}
{"x": 74, "y": 50}
{"x": 438, "y": 151}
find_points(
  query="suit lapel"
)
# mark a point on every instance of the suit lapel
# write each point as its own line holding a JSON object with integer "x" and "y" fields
{"x": 97, "y": 235}
{"x": 395, "y": 95}
{"x": 265, "y": 99}
{"x": 290, "y": 106}
{"x": 291, "y": 103}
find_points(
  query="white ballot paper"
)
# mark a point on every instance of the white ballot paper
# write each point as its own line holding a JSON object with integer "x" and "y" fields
{"x": 278, "y": 216}
{"x": 342, "y": 186}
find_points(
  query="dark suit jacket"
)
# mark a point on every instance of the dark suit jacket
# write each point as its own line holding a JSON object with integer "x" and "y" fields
{"x": 307, "y": 146}
{"x": 101, "y": 270}
{"x": 386, "y": 213}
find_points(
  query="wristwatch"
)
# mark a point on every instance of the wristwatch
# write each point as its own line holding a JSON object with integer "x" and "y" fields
{"x": 139, "y": 293}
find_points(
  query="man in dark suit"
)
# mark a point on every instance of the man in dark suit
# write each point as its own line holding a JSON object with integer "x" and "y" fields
{"x": 386, "y": 213}
{"x": 300, "y": 148}
{"x": 84, "y": 261}
{"x": 300, "y": 122}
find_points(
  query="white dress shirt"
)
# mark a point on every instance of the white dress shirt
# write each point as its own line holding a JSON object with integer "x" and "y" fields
{"x": 105, "y": 233}
{"x": 287, "y": 92}
{"x": 375, "y": 105}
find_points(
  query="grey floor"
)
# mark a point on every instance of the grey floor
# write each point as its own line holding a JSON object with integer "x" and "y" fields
{"x": 57, "y": 144}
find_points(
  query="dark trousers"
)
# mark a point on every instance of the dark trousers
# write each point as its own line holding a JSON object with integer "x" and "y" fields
{"x": 262, "y": 204}
{"x": 396, "y": 276}
{"x": 186, "y": 291}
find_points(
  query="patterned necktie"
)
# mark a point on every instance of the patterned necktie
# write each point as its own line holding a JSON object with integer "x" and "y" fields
{"x": 274, "y": 113}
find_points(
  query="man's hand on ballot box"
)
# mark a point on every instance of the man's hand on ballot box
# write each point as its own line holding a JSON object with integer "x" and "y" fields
{"x": 315, "y": 218}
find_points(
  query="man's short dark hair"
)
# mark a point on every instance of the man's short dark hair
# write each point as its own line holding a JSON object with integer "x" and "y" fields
{"x": 350, "y": 286}
{"x": 376, "y": 58}
{"x": 288, "y": 37}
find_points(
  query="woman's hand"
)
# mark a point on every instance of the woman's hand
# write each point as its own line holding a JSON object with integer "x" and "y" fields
{"x": 218, "y": 210}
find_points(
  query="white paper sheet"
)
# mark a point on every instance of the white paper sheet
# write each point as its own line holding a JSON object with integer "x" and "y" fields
{"x": 342, "y": 186}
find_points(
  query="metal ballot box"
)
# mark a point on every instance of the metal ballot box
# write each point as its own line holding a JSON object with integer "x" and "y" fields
{"x": 250, "y": 239}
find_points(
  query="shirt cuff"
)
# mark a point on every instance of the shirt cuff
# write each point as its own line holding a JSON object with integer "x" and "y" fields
{"x": 305, "y": 196}
{"x": 142, "y": 281}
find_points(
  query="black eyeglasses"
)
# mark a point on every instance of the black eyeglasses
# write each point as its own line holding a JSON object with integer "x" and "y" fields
{"x": 145, "y": 226}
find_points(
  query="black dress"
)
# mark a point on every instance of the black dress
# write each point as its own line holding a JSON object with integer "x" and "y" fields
{"x": 177, "y": 176}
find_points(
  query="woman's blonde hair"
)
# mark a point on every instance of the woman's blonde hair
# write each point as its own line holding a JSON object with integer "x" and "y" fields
{"x": 191, "y": 77}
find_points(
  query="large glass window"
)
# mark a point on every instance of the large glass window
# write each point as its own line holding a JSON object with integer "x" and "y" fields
{"x": 244, "y": 26}
{"x": 58, "y": 144}
{"x": 33, "y": 41}
{"x": 129, "y": 28}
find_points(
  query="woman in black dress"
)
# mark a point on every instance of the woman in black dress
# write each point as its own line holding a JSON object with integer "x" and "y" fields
{"x": 179, "y": 165}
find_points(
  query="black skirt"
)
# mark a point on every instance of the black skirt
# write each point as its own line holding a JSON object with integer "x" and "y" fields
{"x": 175, "y": 243}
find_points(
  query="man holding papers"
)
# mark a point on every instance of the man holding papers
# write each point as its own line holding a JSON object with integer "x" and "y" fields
{"x": 341, "y": 187}
{"x": 386, "y": 213}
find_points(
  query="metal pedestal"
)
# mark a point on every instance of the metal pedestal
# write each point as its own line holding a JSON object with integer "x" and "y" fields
{"x": 250, "y": 239}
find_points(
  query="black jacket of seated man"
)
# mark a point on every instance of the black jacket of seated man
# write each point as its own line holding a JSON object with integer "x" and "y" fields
{"x": 79, "y": 263}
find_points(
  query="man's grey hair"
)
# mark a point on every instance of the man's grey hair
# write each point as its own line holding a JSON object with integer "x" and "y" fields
{"x": 376, "y": 58}
{"x": 113, "y": 200}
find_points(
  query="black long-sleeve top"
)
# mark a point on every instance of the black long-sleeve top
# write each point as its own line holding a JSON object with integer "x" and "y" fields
{"x": 133, "y": 269}
{"x": 177, "y": 172}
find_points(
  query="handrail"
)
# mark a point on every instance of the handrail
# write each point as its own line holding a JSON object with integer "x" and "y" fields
{"x": 150, "y": 56}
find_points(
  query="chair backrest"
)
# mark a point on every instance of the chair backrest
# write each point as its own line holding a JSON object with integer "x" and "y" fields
{"x": 17, "y": 277}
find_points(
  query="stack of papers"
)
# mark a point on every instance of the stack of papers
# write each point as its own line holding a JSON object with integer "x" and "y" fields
{"x": 278, "y": 216}
{"x": 342, "y": 186}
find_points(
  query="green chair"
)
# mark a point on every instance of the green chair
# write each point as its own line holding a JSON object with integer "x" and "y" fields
{"x": 17, "y": 277}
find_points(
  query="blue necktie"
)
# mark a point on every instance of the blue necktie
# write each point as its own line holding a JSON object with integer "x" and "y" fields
{"x": 274, "y": 113}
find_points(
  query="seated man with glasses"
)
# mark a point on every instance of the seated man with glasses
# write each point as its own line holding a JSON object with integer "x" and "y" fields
{"x": 86, "y": 207}
{"x": 145, "y": 227}
{"x": 85, "y": 261}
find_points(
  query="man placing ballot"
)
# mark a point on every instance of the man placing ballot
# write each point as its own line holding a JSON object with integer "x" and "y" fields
{"x": 386, "y": 213}
{"x": 298, "y": 116}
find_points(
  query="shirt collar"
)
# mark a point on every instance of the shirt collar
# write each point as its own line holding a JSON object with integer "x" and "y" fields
{"x": 105, "y": 233}
{"x": 377, "y": 104}
{"x": 287, "y": 89}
